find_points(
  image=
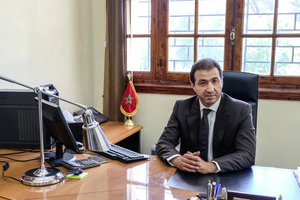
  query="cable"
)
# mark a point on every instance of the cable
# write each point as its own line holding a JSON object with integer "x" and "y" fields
{"x": 17, "y": 160}
{"x": 5, "y": 155}
{"x": 4, "y": 176}
{"x": 5, "y": 166}
{"x": 18, "y": 152}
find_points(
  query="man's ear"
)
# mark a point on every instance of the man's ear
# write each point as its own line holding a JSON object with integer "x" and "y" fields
{"x": 192, "y": 84}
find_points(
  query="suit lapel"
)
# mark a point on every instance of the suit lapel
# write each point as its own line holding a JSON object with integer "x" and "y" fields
{"x": 220, "y": 123}
{"x": 193, "y": 121}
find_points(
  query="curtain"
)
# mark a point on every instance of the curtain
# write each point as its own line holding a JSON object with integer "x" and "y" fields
{"x": 115, "y": 59}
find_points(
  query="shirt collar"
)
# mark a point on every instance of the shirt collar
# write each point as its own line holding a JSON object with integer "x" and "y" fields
{"x": 214, "y": 107}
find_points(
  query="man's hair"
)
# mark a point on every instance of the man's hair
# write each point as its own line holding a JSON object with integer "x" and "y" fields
{"x": 204, "y": 64}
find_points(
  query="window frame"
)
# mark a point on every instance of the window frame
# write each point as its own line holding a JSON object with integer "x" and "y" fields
{"x": 159, "y": 81}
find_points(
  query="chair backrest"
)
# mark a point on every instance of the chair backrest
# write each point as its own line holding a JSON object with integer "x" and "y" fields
{"x": 242, "y": 86}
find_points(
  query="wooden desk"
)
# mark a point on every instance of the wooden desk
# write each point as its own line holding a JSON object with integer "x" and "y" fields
{"x": 142, "y": 180}
{"x": 113, "y": 180}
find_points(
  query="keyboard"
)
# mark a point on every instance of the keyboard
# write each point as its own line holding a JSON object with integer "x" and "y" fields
{"x": 122, "y": 154}
{"x": 92, "y": 161}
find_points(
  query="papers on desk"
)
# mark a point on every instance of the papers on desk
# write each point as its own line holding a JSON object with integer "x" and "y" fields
{"x": 249, "y": 181}
{"x": 70, "y": 118}
{"x": 297, "y": 175}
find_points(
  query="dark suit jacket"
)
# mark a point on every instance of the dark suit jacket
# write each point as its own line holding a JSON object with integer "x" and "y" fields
{"x": 234, "y": 138}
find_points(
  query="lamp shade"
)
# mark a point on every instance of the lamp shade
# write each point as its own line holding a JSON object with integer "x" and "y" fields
{"x": 94, "y": 138}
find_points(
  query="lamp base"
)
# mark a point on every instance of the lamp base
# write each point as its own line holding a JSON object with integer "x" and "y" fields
{"x": 42, "y": 177}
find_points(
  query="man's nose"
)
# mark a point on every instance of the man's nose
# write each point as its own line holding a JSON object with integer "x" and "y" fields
{"x": 210, "y": 87}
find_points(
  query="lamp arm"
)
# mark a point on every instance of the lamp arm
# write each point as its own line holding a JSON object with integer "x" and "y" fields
{"x": 41, "y": 89}
{"x": 15, "y": 82}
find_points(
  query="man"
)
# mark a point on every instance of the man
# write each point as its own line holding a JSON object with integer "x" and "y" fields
{"x": 230, "y": 140}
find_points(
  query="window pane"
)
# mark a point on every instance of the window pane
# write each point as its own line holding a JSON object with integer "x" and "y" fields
{"x": 139, "y": 20}
{"x": 288, "y": 16}
{"x": 212, "y": 16}
{"x": 211, "y": 48}
{"x": 258, "y": 17}
{"x": 257, "y": 55}
{"x": 181, "y": 16}
{"x": 287, "y": 59}
{"x": 138, "y": 54}
{"x": 181, "y": 54}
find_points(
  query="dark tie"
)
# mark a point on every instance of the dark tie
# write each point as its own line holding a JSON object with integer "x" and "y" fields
{"x": 203, "y": 135}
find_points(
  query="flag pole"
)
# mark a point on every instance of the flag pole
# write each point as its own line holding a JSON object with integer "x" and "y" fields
{"x": 129, "y": 102}
{"x": 128, "y": 114}
{"x": 128, "y": 121}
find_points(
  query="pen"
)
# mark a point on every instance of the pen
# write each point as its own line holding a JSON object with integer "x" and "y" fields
{"x": 213, "y": 187}
{"x": 218, "y": 186}
{"x": 208, "y": 189}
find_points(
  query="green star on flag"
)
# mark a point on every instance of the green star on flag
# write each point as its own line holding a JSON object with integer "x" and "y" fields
{"x": 128, "y": 99}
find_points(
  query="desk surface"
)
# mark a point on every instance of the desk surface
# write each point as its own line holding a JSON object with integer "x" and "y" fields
{"x": 116, "y": 131}
{"x": 140, "y": 180}
{"x": 116, "y": 180}
{"x": 113, "y": 180}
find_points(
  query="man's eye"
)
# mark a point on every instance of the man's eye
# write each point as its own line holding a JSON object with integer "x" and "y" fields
{"x": 214, "y": 81}
{"x": 202, "y": 83}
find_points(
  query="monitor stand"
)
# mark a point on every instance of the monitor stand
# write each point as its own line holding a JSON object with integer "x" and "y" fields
{"x": 55, "y": 159}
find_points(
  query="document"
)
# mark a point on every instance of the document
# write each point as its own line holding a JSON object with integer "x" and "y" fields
{"x": 297, "y": 175}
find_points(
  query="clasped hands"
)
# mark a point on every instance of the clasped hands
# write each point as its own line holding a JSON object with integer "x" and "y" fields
{"x": 191, "y": 162}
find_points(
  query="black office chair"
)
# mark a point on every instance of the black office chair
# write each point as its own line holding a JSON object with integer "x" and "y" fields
{"x": 242, "y": 86}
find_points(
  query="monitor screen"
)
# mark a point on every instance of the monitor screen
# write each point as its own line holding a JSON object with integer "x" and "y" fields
{"x": 57, "y": 127}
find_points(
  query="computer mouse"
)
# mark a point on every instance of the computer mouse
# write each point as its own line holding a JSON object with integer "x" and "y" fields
{"x": 81, "y": 147}
{"x": 79, "y": 144}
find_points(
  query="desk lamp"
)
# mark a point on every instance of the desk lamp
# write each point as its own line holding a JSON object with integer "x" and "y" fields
{"x": 93, "y": 138}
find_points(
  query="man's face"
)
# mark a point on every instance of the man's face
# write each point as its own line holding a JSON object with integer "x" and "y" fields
{"x": 208, "y": 86}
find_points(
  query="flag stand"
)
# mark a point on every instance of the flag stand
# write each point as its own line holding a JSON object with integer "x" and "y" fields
{"x": 128, "y": 122}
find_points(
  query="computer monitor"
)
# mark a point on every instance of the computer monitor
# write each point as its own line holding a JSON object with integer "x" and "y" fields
{"x": 19, "y": 120}
{"x": 57, "y": 127}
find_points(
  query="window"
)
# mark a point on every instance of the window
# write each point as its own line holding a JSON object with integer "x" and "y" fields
{"x": 165, "y": 37}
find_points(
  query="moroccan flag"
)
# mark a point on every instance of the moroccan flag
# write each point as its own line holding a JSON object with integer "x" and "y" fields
{"x": 129, "y": 103}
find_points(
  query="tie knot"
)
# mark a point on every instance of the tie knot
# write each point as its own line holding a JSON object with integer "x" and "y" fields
{"x": 206, "y": 111}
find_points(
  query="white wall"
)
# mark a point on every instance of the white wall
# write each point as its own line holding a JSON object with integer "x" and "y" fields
{"x": 278, "y": 132}
{"x": 54, "y": 41}
{"x": 62, "y": 42}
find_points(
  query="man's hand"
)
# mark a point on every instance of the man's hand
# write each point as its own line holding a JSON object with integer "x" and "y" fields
{"x": 188, "y": 162}
{"x": 191, "y": 162}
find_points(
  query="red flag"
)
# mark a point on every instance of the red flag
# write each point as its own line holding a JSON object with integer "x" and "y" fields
{"x": 129, "y": 102}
